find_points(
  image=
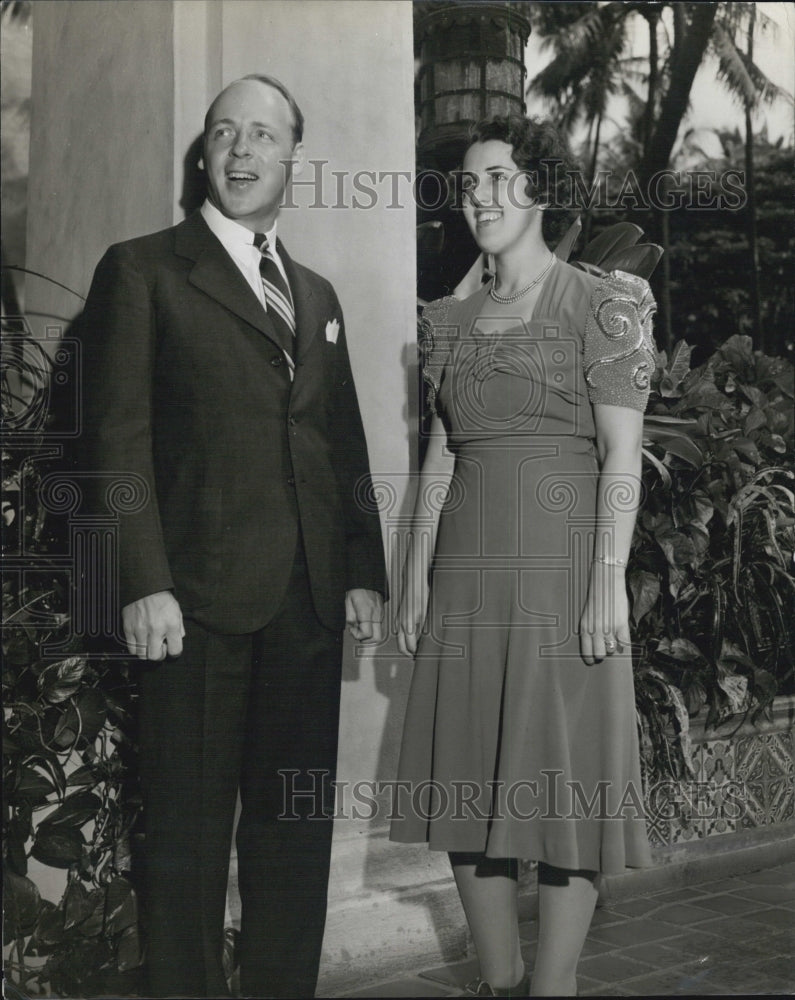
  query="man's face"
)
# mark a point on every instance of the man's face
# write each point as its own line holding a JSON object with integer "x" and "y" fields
{"x": 249, "y": 153}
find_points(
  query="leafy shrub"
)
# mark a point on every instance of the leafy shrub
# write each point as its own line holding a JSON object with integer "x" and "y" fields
{"x": 69, "y": 801}
{"x": 711, "y": 572}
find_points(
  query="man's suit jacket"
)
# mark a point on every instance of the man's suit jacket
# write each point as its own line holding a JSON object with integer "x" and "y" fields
{"x": 187, "y": 388}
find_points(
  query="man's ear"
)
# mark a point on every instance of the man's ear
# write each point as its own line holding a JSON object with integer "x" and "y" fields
{"x": 298, "y": 159}
{"x": 200, "y": 164}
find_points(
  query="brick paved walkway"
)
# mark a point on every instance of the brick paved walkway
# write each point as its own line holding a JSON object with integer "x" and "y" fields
{"x": 734, "y": 936}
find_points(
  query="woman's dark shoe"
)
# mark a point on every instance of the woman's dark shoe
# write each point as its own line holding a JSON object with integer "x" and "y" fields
{"x": 480, "y": 988}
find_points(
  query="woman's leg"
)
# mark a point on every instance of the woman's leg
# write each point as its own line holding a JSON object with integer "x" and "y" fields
{"x": 566, "y": 901}
{"x": 488, "y": 890}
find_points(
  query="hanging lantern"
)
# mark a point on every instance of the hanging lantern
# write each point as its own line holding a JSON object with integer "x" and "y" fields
{"x": 471, "y": 66}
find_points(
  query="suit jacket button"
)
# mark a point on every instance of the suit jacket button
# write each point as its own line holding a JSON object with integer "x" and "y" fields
{"x": 278, "y": 360}
{"x": 291, "y": 481}
{"x": 293, "y": 421}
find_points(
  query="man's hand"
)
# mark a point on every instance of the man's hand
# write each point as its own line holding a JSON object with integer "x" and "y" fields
{"x": 153, "y": 626}
{"x": 364, "y": 615}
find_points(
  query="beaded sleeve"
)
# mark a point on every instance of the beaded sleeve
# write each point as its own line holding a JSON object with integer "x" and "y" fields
{"x": 619, "y": 352}
{"x": 435, "y": 344}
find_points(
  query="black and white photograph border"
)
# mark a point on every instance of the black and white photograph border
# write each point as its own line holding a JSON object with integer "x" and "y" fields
{"x": 679, "y": 117}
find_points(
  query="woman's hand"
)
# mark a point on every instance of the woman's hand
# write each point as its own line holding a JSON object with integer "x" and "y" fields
{"x": 412, "y": 611}
{"x": 604, "y": 625}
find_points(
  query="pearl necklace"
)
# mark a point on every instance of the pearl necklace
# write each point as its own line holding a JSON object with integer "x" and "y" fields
{"x": 507, "y": 299}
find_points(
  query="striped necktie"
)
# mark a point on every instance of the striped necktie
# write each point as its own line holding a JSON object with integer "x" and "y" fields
{"x": 277, "y": 291}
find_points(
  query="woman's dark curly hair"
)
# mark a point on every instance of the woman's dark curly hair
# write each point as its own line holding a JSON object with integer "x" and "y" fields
{"x": 539, "y": 149}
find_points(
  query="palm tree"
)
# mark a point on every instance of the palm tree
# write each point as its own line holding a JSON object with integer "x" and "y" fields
{"x": 589, "y": 42}
{"x": 590, "y": 66}
{"x": 587, "y": 69}
{"x": 584, "y": 73}
{"x": 746, "y": 81}
{"x": 692, "y": 28}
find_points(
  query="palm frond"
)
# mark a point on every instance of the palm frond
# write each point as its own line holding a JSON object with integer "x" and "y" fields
{"x": 743, "y": 78}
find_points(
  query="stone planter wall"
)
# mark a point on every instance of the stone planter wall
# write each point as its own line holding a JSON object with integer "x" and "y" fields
{"x": 744, "y": 780}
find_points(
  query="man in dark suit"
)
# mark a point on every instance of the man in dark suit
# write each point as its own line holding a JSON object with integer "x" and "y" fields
{"x": 217, "y": 374}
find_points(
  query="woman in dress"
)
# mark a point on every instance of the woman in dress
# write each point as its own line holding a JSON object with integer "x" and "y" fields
{"x": 520, "y": 737}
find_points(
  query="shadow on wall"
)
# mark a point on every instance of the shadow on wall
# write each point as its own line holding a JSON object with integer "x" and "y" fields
{"x": 193, "y": 180}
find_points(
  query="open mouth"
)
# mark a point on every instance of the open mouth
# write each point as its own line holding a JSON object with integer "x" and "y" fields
{"x": 241, "y": 176}
{"x": 487, "y": 217}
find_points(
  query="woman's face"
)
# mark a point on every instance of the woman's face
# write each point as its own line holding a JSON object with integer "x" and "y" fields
{"x": 497, "y": 208}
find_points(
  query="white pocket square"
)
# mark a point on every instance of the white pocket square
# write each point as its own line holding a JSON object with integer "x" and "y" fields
{"x": 332, "y": 331}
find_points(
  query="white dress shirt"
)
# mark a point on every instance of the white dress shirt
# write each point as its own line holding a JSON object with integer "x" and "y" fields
{"x": 239, "y": 244}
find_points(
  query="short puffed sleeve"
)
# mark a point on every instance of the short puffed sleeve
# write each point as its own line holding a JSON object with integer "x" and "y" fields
{"x": 619, "y": 352}
{"x": 435, "y": 343}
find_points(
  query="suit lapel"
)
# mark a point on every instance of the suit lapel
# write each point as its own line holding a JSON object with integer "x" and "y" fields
{"x": 216, "y": 274}
{"x": 307, "y": 317}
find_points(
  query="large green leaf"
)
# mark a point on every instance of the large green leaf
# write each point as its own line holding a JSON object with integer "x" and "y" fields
{"x": 746, "y": 449}
{"x": 755, "y": 419}
{"x": 566, "y": 244}
{"x": 77, "y": 903}
{"x": 17, "y": 833}
{"x": 695, "y": 694}
{"x": 704, "y": 395}
{"x": 736, "y": 689}
{"x": 129, "y": 953}
{"x": 22, "y": 903}
{"x": 682, "y": 717}
{"x": 49, "y": 930}
{"x": 82, "y": 718}
{"x": 93, "y": 923}
{"x": 732, "y": 653}
{"x": 593, "y": 269}
{"x": 667, "y": 423}
{"x": 680, "y": 649}
{"x": 92, "y": 708}
{"x": 76, "y": 811}
{"x": 645, "y": 589}
{"x": 59, "y": 681}
{"x": 618, "y": 237}
{"x": 665, "y": 475}
{"x": 32, "y": 787}
{"x": 122, "y": 855}
{"x": 683, "y": 447}
{"x": 676, "y": 371}
{"x": 677, "y": 546}
{"x": 766, "y": 685}
{"x": 121, "y": 906}
{"x": 57, "y": 846}
{"x": 88, "y": 775}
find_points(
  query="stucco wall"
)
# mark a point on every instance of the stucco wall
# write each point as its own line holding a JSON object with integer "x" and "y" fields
{"x": 102, "y": 135}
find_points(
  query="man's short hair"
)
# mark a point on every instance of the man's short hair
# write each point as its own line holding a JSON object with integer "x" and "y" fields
{"x": 270, "y": 81}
